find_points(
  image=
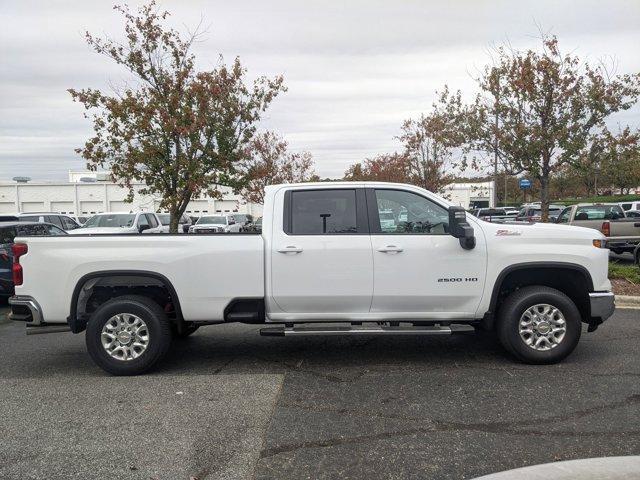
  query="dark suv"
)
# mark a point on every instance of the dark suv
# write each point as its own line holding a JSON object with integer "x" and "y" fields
{"x": 60, "y": 220}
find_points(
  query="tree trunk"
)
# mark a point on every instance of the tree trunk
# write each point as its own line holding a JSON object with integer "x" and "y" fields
{"x": 174, "y": 220}
{"x": 544, "y": 196}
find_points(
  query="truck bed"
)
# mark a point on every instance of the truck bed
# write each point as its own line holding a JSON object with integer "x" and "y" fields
{"x": 206, "y": 271}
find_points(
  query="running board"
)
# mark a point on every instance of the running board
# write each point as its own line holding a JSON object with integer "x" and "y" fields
{"x": 47, "y": 329}
{"x": 367, "y": 330}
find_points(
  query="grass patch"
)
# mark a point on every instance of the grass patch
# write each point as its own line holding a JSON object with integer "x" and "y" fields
{"x": 624, "y": 271}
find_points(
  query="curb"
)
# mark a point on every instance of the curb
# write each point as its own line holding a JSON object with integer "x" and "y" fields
{"x": 627, "y": 301}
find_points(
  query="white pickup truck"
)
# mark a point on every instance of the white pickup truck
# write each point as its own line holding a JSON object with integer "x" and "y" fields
{"x": 324, "y": 264}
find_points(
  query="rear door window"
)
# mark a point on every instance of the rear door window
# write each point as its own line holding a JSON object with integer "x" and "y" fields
{"x": 323, "y": 212}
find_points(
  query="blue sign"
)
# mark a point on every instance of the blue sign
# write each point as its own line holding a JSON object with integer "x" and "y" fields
{"x": 525, "y": 183}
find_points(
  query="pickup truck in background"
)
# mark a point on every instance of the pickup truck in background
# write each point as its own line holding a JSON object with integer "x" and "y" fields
{"x": 607, "y": 218}
{"x": 325, "y": 263}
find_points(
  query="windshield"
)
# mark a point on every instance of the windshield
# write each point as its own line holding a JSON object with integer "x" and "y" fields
{"x": 116, "y": 220}
{"x": 212, "y": 220}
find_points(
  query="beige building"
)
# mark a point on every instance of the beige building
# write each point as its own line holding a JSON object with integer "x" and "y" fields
{"x": 470, "y": 195}
{"x": 92, "y": 192}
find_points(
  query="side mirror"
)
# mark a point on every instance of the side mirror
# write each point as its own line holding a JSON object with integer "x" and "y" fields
{"x": 142, "y": 228}
{"x": 460, "y": 228}
{"x": 232, "y": 222}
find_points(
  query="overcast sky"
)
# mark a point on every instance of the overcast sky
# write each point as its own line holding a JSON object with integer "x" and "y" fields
{"x": 355, "y": 69}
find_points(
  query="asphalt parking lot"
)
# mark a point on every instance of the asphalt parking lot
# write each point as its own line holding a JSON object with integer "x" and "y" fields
{"x": 229, "y": 404}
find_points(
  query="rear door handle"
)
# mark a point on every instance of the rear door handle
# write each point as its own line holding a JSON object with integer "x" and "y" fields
{"x": 290, "y": 249}
{"x": 390, "y": 249}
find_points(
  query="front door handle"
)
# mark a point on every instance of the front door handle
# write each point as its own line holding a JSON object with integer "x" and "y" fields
{"x": 290, "y": 249}
{"x": 390, "y": 249}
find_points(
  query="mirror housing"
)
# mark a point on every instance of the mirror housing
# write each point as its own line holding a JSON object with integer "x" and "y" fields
{"x": 460, "y": 228}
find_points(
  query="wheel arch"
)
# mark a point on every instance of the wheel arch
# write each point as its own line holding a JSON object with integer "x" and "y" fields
{"x": 77, "y": 319}
{"x": 537, "y": 273}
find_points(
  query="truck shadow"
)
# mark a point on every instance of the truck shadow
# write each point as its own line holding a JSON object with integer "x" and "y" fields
{"x": 240, "y": 349}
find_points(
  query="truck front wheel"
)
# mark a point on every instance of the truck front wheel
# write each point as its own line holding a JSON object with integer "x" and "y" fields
{"x": 539, "y": 325}
{"x": 128, "y": 335}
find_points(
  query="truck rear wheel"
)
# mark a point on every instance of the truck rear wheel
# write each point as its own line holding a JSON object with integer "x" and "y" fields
{"x": 539, "y": 325}
{"x": 128, "y": 335}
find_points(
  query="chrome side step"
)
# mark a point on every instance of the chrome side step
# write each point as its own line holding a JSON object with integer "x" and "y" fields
{"x": 376, "y": 330}
{"x": 47, "y": 329}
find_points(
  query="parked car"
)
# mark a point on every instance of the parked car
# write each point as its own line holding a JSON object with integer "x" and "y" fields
{"x": 65, "y": 222}
{"x": 80, "y": 219}
{"x": 632, "y": 213}
{"x": 320, "y": 255}
{"x": 607, "y": 218}
{"x": 119, "y": 223}
{"x": 8, "y": 232}
{"x": 626, "y": 206}
{"x": 533, "y": 213}
{"x": 215, "y": 224}
{"x": 183, "y": 224}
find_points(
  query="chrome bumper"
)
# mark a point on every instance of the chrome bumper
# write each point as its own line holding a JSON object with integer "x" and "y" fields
{"x": 602, "y": 305}
{"x": 35, "y": 318}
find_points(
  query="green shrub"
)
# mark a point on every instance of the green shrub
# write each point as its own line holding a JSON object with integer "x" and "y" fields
{"x": 625, "y": 271}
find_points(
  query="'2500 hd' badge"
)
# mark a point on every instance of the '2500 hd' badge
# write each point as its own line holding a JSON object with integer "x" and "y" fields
{"x": 457, "y": 279}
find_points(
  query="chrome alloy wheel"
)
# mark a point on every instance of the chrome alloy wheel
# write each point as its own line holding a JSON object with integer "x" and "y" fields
{"x": 542, "y": 327}
{"x": 125, "y": 336}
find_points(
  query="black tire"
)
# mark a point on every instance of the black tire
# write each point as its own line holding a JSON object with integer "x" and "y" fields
{"x": 186, "y": 330}
{"x": 157, "y": 324}
{"x": 516, "y": 304}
